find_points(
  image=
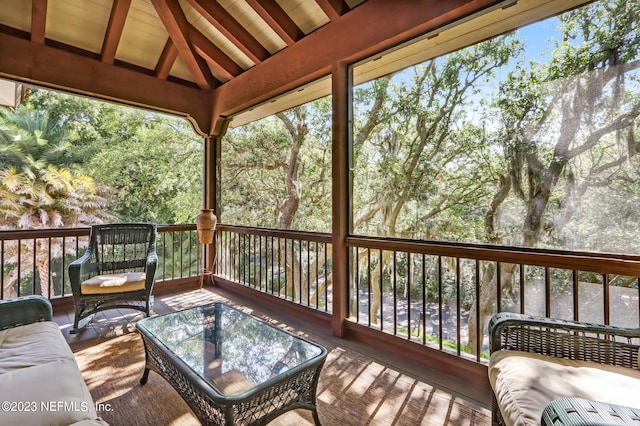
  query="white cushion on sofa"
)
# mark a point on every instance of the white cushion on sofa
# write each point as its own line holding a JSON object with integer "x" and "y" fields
{"x": 32, "y": 344}
{"x": 40, "y": 382}
{"x": 525, "y": 383}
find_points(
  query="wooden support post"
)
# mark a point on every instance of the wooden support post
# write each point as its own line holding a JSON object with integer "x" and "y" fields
{"x": 341, "y": 193}
{"x": 211, "y": 188}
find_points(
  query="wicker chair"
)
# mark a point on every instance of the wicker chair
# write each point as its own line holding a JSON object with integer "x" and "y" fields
{"x": 117, "y": 270}
{"x": 562, "y": 339}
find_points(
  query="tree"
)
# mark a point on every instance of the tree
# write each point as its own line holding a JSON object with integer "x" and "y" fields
{"x": 417, "y": 150}
{"x": 568, "y": 128}
{"x": 153, "y": 165}
{"x": 40, "y": 189}
{"x": 283, "y": 162}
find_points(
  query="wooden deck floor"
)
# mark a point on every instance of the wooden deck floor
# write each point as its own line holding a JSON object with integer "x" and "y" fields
{"x": 455, "y": 393}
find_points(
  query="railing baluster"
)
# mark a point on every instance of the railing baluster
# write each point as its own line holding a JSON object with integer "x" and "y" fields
{"x": 2, "y": 269}
{"x": 380, "y": 264}
{"x": 498, "y": 287}
{"x": 34, "y": 267}
{"x": 576, "y": 294}
{"x": 522, "y": 299}
{"x": 49, "y": 277}
{"x": 395, "y": 295}
{"x": 408, "y": 290}
{"x": 458, "y": 306}
{"x": 547, "y": 292}
{"x": 440, "y": 313}
{"x": 19, "y": 265}
{"x": 356, "y": 296}
{"x": 479, "y": 327}
{"x": 607, "y": 313}
{"x": 369, "y": 313}
{"x": 424, "y": 300}
{"x": 308, "y": 274}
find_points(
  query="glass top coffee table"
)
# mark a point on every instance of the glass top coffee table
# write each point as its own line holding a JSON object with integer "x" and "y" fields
{"x": 230, "y": 367}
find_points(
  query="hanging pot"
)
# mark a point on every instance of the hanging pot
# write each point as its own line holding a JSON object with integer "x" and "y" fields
{"x": 206, "y": 225}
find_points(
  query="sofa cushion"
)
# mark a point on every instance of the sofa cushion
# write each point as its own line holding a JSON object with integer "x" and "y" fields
{"x": 40, "y": 382}
{"x": 114, "y": 283}
{"x": 53, "y": 393}
{"x": 32, "y": 344}
{"x": 525, "y": 383}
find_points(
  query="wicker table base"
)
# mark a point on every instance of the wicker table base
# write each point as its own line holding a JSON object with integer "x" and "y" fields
{"x": 583, "y": 412}
{"x": 181, "y": 346}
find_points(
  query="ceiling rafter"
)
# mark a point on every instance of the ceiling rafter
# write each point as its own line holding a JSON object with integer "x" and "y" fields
{"x": 56, "y": 68}
{"x": 277, "y": 19}
{"x": 112, "y": 36}
{"x": 38, "y": 20}
{"x": 402, "y": 21}
{"x": 166, "y": 60}
{"x": 177, "y": 26}
{"x": 231, "y": 29}
{"x": 333, "y": 8}
{"x": 213, "y": 55}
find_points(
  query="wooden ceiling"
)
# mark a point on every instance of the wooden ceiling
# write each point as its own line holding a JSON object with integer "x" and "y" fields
{"x": 205, "y": 59}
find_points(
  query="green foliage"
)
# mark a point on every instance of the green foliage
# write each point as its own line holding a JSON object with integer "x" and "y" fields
{"x": 151, "y": 164}
{"x": 40, "y": 183}
{"x": 154, "y": 169}
{"x": 276, "y": 171}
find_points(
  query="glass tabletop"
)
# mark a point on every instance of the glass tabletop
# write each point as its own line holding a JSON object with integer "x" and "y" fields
{"x": 231, "y": 350}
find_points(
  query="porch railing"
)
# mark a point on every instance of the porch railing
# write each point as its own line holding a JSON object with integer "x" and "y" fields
{"x": 435, "y": 294}
{"x": 36, "y": 261}
{"x": 292, "y": 265}
{"x": 442, "y": 294}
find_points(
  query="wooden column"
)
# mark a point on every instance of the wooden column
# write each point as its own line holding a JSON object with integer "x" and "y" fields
{"x": 341, "y": 192}
{"x": 211, "y": 181}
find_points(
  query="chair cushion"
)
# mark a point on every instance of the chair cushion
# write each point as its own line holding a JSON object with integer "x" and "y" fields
{"x": 114, "y": 283}
{"x": 525, "y": 383}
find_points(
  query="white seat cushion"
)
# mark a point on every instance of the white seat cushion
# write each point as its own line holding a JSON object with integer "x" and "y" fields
{"x": 114, "y": 283}
{"x": 40, "y": 383}
{"x": 31, "y": 345}
{"x": 525, "y": 383}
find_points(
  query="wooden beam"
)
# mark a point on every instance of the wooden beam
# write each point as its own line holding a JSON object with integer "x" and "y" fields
{"x": 313, "y": 56}
{"x": 213, "y": 55}
{"x": 38, "y": 20}
{"x": 222, "y": 20}
{"x": 277, "y": 19}
{"x": 119, "y": 13}
{"x": 46, "y": 66}
{"x": 333, "y": 8}
{"x": 177, "y": 26}
{"x": 166, "y": 60}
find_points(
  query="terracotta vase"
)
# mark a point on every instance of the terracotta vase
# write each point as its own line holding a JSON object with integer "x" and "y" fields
{"x": 206, "y": 225}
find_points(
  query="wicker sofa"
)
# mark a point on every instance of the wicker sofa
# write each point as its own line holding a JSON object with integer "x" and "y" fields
{"x": 40, "y": 382}
{"x": 536, "y": 360}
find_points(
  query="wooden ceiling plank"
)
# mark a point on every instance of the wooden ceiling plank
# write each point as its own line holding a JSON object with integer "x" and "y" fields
{"x": 403, "y": 21}
{"x": 212, "y": 54}
{"x": 167, "y": 59}
{"x": 119, "y": 13}
{"x": 177, "y": 26}
{"x": 222, "y": 20}
{"x": 277, "y": 19}
{"x": 38, "y": 20}
{"x": 47, "y": 66}
{"x": 334, "y": 9}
